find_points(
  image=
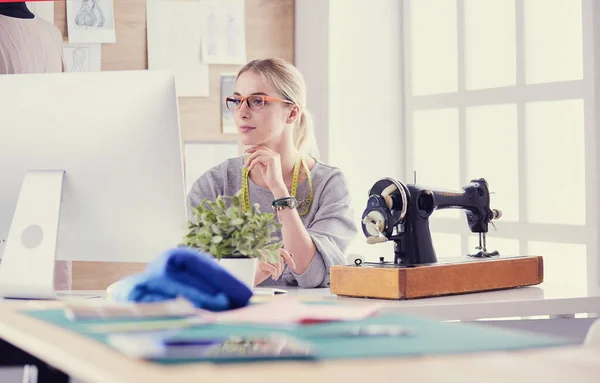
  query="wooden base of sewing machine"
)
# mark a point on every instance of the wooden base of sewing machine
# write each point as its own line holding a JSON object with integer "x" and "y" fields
{"x": 447, "y": 277}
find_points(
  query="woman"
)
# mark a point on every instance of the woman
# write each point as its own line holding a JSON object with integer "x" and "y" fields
{"x": 269, "y": 110}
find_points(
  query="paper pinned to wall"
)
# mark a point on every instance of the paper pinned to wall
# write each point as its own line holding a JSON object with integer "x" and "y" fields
{"x": 91, "y": 21}
{"x": 227, "y": 89}
{"x": 82, "y": 57}
{"x": 201, "y": 156}
{"x": 224, "y": 38}
{"x": 42, "y": 9}
{"x": 174, "y": 33}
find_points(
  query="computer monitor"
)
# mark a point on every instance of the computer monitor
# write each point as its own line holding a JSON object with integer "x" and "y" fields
{"x": 91, "y": 169}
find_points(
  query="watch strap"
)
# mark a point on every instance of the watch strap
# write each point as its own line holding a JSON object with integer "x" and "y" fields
{"x": 286, "y": 202}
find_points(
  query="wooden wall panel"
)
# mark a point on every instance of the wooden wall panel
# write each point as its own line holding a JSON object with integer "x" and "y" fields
{"x": 99, "y": 275}
{"x": 269, "y": 33}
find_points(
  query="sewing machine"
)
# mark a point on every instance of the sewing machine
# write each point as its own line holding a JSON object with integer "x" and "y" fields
{"x": 400, "y": 213}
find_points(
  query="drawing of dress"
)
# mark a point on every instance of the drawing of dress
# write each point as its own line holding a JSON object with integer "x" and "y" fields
{"x": 232, "y": 36}
{"x": 90, "y": 14}
{"x": 212, "y": 32}
{"x": 80, "y": 55}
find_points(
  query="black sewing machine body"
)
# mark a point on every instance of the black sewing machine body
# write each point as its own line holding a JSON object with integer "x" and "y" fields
{"x": 400, "y": 213}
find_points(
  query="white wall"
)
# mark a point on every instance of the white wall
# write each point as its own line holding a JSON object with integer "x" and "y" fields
{"x": 591, "y": 20}
{"x": 312, "y": 59}
{"x": 351, "y": 60}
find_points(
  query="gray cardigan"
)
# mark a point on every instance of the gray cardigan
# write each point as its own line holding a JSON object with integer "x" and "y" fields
{"x": 329, "y": 222}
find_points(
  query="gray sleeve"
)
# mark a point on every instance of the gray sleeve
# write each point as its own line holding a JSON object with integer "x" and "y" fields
{"x": 332, "y": 230}
{"x": 209, "y": 186}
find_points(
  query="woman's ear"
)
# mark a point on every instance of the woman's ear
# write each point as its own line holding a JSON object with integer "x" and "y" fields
{"x": 293, "y": 115}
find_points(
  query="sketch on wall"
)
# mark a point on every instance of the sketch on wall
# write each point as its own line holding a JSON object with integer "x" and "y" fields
{"x": 90, "y": 14}
{"x": 224, "y": 38}
{"x": 174, "y": 33}
{"x": 227, "y": 89}
{"x": 43, "y": 10}
{"x": 82, "y": 57}
{"x": 91, "y": 21}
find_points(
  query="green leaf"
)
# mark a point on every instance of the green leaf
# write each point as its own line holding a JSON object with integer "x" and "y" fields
{"x": 274, "y": 257}
{"x": 273, "y": 247}
{"x": 230, "y": 230}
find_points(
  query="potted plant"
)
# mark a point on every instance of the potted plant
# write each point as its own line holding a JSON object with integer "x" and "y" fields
{"x": 236, "y": 237}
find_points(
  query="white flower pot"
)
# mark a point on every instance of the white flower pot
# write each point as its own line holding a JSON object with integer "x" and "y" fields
{"x": 243, "y": 269}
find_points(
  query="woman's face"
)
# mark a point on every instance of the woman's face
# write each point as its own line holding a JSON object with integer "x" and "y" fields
{"x": 259, "y": 126}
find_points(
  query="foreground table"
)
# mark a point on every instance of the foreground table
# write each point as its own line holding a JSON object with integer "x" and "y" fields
{"x": 90, "y": 361}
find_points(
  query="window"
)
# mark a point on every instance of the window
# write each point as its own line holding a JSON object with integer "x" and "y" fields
{"x": 503, "y": 89}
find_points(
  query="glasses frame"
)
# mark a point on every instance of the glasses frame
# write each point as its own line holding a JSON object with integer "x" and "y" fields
{"x": 262, "y": 96}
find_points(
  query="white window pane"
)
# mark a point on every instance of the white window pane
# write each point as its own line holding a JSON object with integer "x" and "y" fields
{"x": 564, "y": 264}
{"x": 553, "y": 40}
{"x": 433, "y": 42}
{"x": 490, "y": 43}
{"x": 492, "y": 154}
{"x": 555, "y": 162}
{"x": 505, "y": 246}
{"x": 446, "y": 245}
{"x": 435, "y": 148}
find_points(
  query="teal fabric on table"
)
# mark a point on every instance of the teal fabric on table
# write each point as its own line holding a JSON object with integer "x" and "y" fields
{"x": 430, "y": 337}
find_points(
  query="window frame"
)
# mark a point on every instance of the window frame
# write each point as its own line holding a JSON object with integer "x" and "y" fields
{"x": 519, "y": 94}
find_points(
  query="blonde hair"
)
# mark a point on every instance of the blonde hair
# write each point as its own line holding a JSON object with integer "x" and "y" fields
{"x": 289, "y": 82}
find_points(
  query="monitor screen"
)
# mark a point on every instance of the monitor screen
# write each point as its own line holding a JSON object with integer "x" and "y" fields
{"x": 116, "y": 137}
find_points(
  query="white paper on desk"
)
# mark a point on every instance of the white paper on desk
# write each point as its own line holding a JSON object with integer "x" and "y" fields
{"x": 224, "y": 38}
{"x": 201, "y": 156}
{"x": 42, "y": 9}
{"x": 91, "y": 21}
{"x": 82, "y": 57}
{"x": 287, "y": 311}
{"x": 267, "y": 291}
{"x": 174, "y": 33}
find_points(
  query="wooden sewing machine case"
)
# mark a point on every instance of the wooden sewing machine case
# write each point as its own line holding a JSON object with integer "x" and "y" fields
{"x": 446, "y": 277}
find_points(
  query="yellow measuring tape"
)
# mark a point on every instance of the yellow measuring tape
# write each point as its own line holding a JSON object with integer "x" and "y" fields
{"x": 299, "y": 160}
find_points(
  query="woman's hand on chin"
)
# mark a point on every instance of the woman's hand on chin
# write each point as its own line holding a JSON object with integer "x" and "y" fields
{"x": 268, "y": 164}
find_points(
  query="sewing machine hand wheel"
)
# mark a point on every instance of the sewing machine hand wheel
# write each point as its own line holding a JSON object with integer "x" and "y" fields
{"x": 386, "y": 209}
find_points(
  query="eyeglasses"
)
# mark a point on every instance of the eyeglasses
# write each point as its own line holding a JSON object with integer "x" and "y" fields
{"x": 255, "y": 101}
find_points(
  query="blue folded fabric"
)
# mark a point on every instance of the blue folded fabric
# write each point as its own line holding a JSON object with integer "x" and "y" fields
{"x": 199, "y": 270}
{"x": 149, "y": 288}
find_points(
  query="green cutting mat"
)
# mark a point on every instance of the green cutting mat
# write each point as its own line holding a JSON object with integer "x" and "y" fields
{"x": 430, "y": 337}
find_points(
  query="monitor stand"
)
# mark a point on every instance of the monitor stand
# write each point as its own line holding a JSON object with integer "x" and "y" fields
{"x": 27, "y": 266}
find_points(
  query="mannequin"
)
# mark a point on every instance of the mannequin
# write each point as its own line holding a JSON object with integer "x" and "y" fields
{"x": 16, "y": 9}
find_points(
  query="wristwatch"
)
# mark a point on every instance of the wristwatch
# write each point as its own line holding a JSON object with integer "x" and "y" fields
{"x": 287, "y": 202}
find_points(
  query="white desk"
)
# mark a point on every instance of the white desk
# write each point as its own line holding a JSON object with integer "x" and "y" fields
{"x": 91, "y": 361}
{"x": 543, "y": 299}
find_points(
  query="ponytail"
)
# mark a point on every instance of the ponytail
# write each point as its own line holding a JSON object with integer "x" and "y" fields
{"x": 304, "y": 137}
